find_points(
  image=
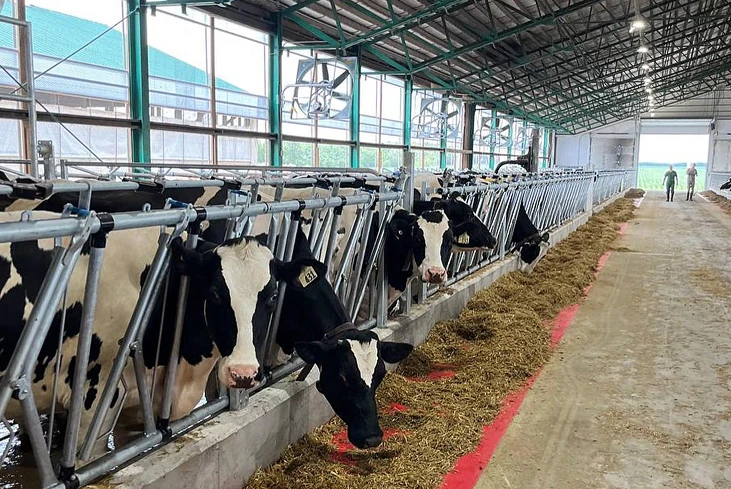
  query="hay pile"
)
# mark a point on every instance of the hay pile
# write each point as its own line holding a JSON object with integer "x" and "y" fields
{"x": 497, "y": 343}
{"x": 635, "y": 193}
{"x": 719, "y": 200}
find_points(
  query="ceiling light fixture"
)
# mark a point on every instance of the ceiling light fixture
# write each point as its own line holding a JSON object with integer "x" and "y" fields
{"x": 647, "y": 80}
{"x": 643, "y": 49}
{"x": 646, "y": 66}
{"x": 638, "y": 24}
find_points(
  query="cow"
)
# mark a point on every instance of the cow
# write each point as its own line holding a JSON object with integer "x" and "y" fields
{"x": 528, "y": 241}
{"x": 416, "y": 246}
{"x": 230, "y": 286}
{"x": 469, "y": 232}
{"x": 351, "y": 362}
{"x": 727, "y": 185}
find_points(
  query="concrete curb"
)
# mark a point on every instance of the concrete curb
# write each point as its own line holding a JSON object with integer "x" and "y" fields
{"x": 224, "y": 452}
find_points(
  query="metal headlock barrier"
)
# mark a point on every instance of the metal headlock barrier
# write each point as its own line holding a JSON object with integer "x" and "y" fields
{"x": 259, "y": 196}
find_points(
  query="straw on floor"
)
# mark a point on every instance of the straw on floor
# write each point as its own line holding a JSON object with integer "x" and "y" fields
{"x": 500, "y": 339}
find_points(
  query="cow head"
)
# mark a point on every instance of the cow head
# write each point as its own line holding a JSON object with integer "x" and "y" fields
{"x": 469, "y": 232}
{"x": 532, "y": 252}
{"x": 427, "y": 238}
{"x": 237, "y": 287}
{"x": 351, "y": 369}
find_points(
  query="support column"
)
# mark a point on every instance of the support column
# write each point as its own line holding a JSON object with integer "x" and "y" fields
{"x": 139, "y": 86}
{"x": 275, "y": 82}
{"x": 468, "y": 135}
{"x": 355, "y": 115}
{"x": 493, "y": 127}
{"x": 443, "y": 146}
{"x": 510, "y": 138}
{"x": 408, "y": 93}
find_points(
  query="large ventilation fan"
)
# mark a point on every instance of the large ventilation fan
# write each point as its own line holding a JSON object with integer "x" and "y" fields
{"x": 501, "y": 133}
{"x": 323, "y": 89}
{"x": 437, "y": 118}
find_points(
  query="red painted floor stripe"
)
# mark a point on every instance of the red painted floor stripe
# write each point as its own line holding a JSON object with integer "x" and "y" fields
{"x": 467, "y": 470}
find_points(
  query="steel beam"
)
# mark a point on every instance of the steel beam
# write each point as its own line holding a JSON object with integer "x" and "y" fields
{"x": 437, "y": 9}
{"x": 275, "y": 99}
{"x": 543, "y": 20}
{"x": 408, "y": 95}
{"x": 139, "y": 81}
{"x": 355, "y": 115}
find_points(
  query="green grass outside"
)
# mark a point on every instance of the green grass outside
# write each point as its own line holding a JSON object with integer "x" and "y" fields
{"x": 650, "y": 177}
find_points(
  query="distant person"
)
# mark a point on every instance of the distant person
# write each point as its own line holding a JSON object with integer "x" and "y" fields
{"x": 692, "y": 173}
{"x": 669, "y": 180}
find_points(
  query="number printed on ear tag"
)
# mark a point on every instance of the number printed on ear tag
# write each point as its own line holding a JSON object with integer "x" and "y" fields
{"x": 463, "y": 238}
{"x": 307, "y": 276}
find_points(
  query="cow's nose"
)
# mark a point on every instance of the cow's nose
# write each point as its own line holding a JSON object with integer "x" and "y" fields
{"x": 242, "y": 377}
{"x": 436, "y": 275}
{"x": 372, "y": 441}
{"x": 491, "y": 242}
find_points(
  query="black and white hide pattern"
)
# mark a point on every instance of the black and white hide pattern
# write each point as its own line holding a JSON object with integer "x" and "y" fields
{"x": 229, "y": 285}
{"x": 352, "y": 365}
{"x": 469, "y": 232}
{"x": 416, "y": 246}
{"x": 529, "y": 242}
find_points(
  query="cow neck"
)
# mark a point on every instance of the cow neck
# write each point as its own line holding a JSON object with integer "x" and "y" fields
{"x": 526, "y": 240}
{"x": 333, "y": 334}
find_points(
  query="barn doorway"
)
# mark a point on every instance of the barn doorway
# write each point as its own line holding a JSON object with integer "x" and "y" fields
{"x": 657, "y": 151}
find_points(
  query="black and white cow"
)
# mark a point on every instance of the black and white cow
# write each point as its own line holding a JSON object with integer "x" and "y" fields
{"x": 416, "y": 246}
{"x": 727, "y": 185}
{"x": 351, "y": 362}
{"x": 528, "y": 241}
{"x": 469, "y": 232}
{"x": 231, "y": 285}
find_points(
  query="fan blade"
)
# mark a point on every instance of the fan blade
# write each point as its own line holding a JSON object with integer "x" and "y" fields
{"x": 340, "y": 78}
{"x": 325, "y": 72}
{"x": 452, "y": 114}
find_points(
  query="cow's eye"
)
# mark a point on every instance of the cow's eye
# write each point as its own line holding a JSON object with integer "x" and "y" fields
{"x": 400, "y": 232}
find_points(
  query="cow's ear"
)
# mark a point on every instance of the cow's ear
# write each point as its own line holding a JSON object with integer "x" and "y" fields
{"x": 185, "y": 260}
{"x": 261, "y": 238}
{"x": 392, "y": 352}
{"x": 454, "y": 195}
{"x": 545, "y": 237}
{"x": 311, "y": 352}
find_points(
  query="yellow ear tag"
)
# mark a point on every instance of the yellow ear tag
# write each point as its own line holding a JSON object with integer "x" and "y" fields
{"x": 307, "y": 276}
{"x": 463, "y": 239}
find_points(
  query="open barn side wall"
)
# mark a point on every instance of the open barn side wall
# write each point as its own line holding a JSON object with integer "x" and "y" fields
{"x": 224, "y": 453}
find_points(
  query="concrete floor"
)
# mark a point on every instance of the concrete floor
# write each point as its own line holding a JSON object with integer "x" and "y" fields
{"x": 638, "y": 395}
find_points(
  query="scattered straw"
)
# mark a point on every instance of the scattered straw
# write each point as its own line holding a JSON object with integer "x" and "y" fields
{"x": 719, "y": 200}
{"x": 712, "y": 282}
{"x": 634, "y": 193}
{"x": 494, "y": 346}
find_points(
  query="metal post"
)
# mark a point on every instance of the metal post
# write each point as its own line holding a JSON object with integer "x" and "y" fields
{"x": 355, "y": 114}
{"x": 468, "y": 135}
{"x": 158, "y": 266}
{"x": 493, "y": 127}
{"x": 269, "y": 345}
{"x": 172, "y": 366}
{"x": 275, "y": 82}
{"x": 93, "y": 274}
{"x": 35, "y": 433}
{"x": 408, "y": 91}
{"x": 41, "y": 316}
{"x": 139, "y": 81}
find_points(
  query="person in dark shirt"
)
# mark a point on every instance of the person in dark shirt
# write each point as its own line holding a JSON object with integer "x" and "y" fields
{"x": 669, "y": 180}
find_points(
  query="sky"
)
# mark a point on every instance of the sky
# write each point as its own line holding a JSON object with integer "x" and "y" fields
{"x": 184, "y": 40}
{"x": 673, "y": 148}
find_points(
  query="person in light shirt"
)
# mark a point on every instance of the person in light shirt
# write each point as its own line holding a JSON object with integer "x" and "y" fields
{"x": 692, "y": 173}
